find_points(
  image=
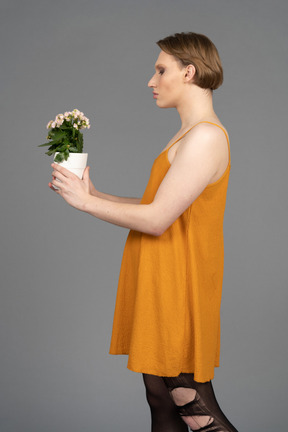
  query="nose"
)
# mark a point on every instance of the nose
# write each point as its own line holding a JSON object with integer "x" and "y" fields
{"x": 152, "y": 83}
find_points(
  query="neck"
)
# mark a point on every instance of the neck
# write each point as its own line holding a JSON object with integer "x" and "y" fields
{"x": 198, "y": 106}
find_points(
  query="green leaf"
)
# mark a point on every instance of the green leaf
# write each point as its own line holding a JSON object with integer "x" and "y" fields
{"x": 53, "y": 148}
{"x": 43, "y": 145}
{"x": 58, "y": 136}
{"x": 73, "y": 150}
{"x": 66, "y": 153}
{"x": 62, "y": 148}
{"x": 59, "y": 158}
{"x": 50, "y": 152}
{"x": 63, "y": 127}
{"x": 66, "y": 142}
{"x": 80, "y": 143}
{"x": 53, "y": 145}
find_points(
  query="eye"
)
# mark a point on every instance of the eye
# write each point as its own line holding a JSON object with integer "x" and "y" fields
{"x": 161, "y": 71}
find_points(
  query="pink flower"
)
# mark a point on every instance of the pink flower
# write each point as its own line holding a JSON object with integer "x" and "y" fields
{"x": 75, "y": 118}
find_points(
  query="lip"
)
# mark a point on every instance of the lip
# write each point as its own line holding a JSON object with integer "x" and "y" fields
{"x": 155, "y": 95}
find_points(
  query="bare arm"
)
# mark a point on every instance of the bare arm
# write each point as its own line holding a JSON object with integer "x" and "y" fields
{"x": 197, "y": 160}
{"x": 113, "y": 198}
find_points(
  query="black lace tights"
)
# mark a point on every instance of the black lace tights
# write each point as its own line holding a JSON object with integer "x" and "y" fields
{"x": 181, "y": 401}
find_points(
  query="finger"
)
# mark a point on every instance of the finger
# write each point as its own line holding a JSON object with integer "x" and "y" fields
{"x": 86, "y": 174}
{"x": 53, "y": 188}
{"x": 61, "y": 169}
{"x": 58, "y": 175}
{"x": 58, "y": 185}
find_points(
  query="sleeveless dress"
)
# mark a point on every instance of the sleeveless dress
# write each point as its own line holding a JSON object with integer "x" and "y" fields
{"x": 167, "y": 313}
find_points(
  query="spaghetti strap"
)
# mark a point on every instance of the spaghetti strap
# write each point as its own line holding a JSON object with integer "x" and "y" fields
{"x": 178, "y": 139}
{"x": 204, "y": 121}
{"x": 225, "y": 133}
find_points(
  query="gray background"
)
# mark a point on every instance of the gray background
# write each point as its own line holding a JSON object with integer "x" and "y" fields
{"x": 59, "y": 267}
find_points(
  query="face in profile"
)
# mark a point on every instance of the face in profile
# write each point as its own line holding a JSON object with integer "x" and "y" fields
{"x": 168, "y": 81}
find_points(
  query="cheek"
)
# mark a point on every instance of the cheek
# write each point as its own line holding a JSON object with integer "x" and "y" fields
{"x": 170, "y": 83}
{"x": 166, "y": 87}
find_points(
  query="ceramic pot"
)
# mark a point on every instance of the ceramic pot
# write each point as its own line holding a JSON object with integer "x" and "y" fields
{"x": 76, "y": 163}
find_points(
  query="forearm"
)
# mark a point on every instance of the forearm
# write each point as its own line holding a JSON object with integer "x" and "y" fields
{"x": 137, "y": 217}
{"x": 113, "y": 198}
{"x": 118, "y": 199}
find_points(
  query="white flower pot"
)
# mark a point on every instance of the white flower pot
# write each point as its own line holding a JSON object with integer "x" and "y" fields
{"x": 76, "y": 163}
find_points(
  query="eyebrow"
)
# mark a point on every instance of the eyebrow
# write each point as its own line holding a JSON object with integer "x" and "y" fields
{"x": 159, "y": 66}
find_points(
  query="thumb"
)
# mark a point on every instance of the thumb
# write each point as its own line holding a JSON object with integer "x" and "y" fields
{"x": 86, "y": 175}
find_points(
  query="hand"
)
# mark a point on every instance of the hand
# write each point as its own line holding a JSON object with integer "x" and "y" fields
{"x": 75, "y": 192}
{"x": 92, "y": 190}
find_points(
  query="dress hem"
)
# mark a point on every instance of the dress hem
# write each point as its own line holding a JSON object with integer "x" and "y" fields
{"x": 199, "y": 377}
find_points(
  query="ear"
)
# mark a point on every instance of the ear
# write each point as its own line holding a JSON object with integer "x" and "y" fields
{"x": 190, "y": 72}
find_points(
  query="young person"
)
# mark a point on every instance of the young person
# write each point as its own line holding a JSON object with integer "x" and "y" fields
{"x": 167, "y": 314}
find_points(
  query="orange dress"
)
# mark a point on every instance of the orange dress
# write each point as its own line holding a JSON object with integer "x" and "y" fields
{"x": 167, "y": 313}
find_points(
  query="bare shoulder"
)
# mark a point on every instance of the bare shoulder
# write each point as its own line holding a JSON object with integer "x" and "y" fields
{"x": 209, "y": 138}
{"x": 205, "y": 144}
{"x": 208, "y": 132}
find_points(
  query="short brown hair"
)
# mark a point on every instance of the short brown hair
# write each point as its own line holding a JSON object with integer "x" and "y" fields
{"x": 198, "y": 50}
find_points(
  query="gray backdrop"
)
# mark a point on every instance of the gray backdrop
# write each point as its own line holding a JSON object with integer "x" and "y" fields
{"x": 59, "y": 267}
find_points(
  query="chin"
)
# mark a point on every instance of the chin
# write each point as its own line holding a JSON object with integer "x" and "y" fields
{"x": 163, "y": 105}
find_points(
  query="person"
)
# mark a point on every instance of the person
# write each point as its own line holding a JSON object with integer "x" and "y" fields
{"x": 167, "y": 313}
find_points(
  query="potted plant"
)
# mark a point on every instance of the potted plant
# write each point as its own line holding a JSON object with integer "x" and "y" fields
{"x": 66, "y": 140}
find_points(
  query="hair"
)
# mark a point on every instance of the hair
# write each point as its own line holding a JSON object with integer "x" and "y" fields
{"x": 198, "y": 50}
